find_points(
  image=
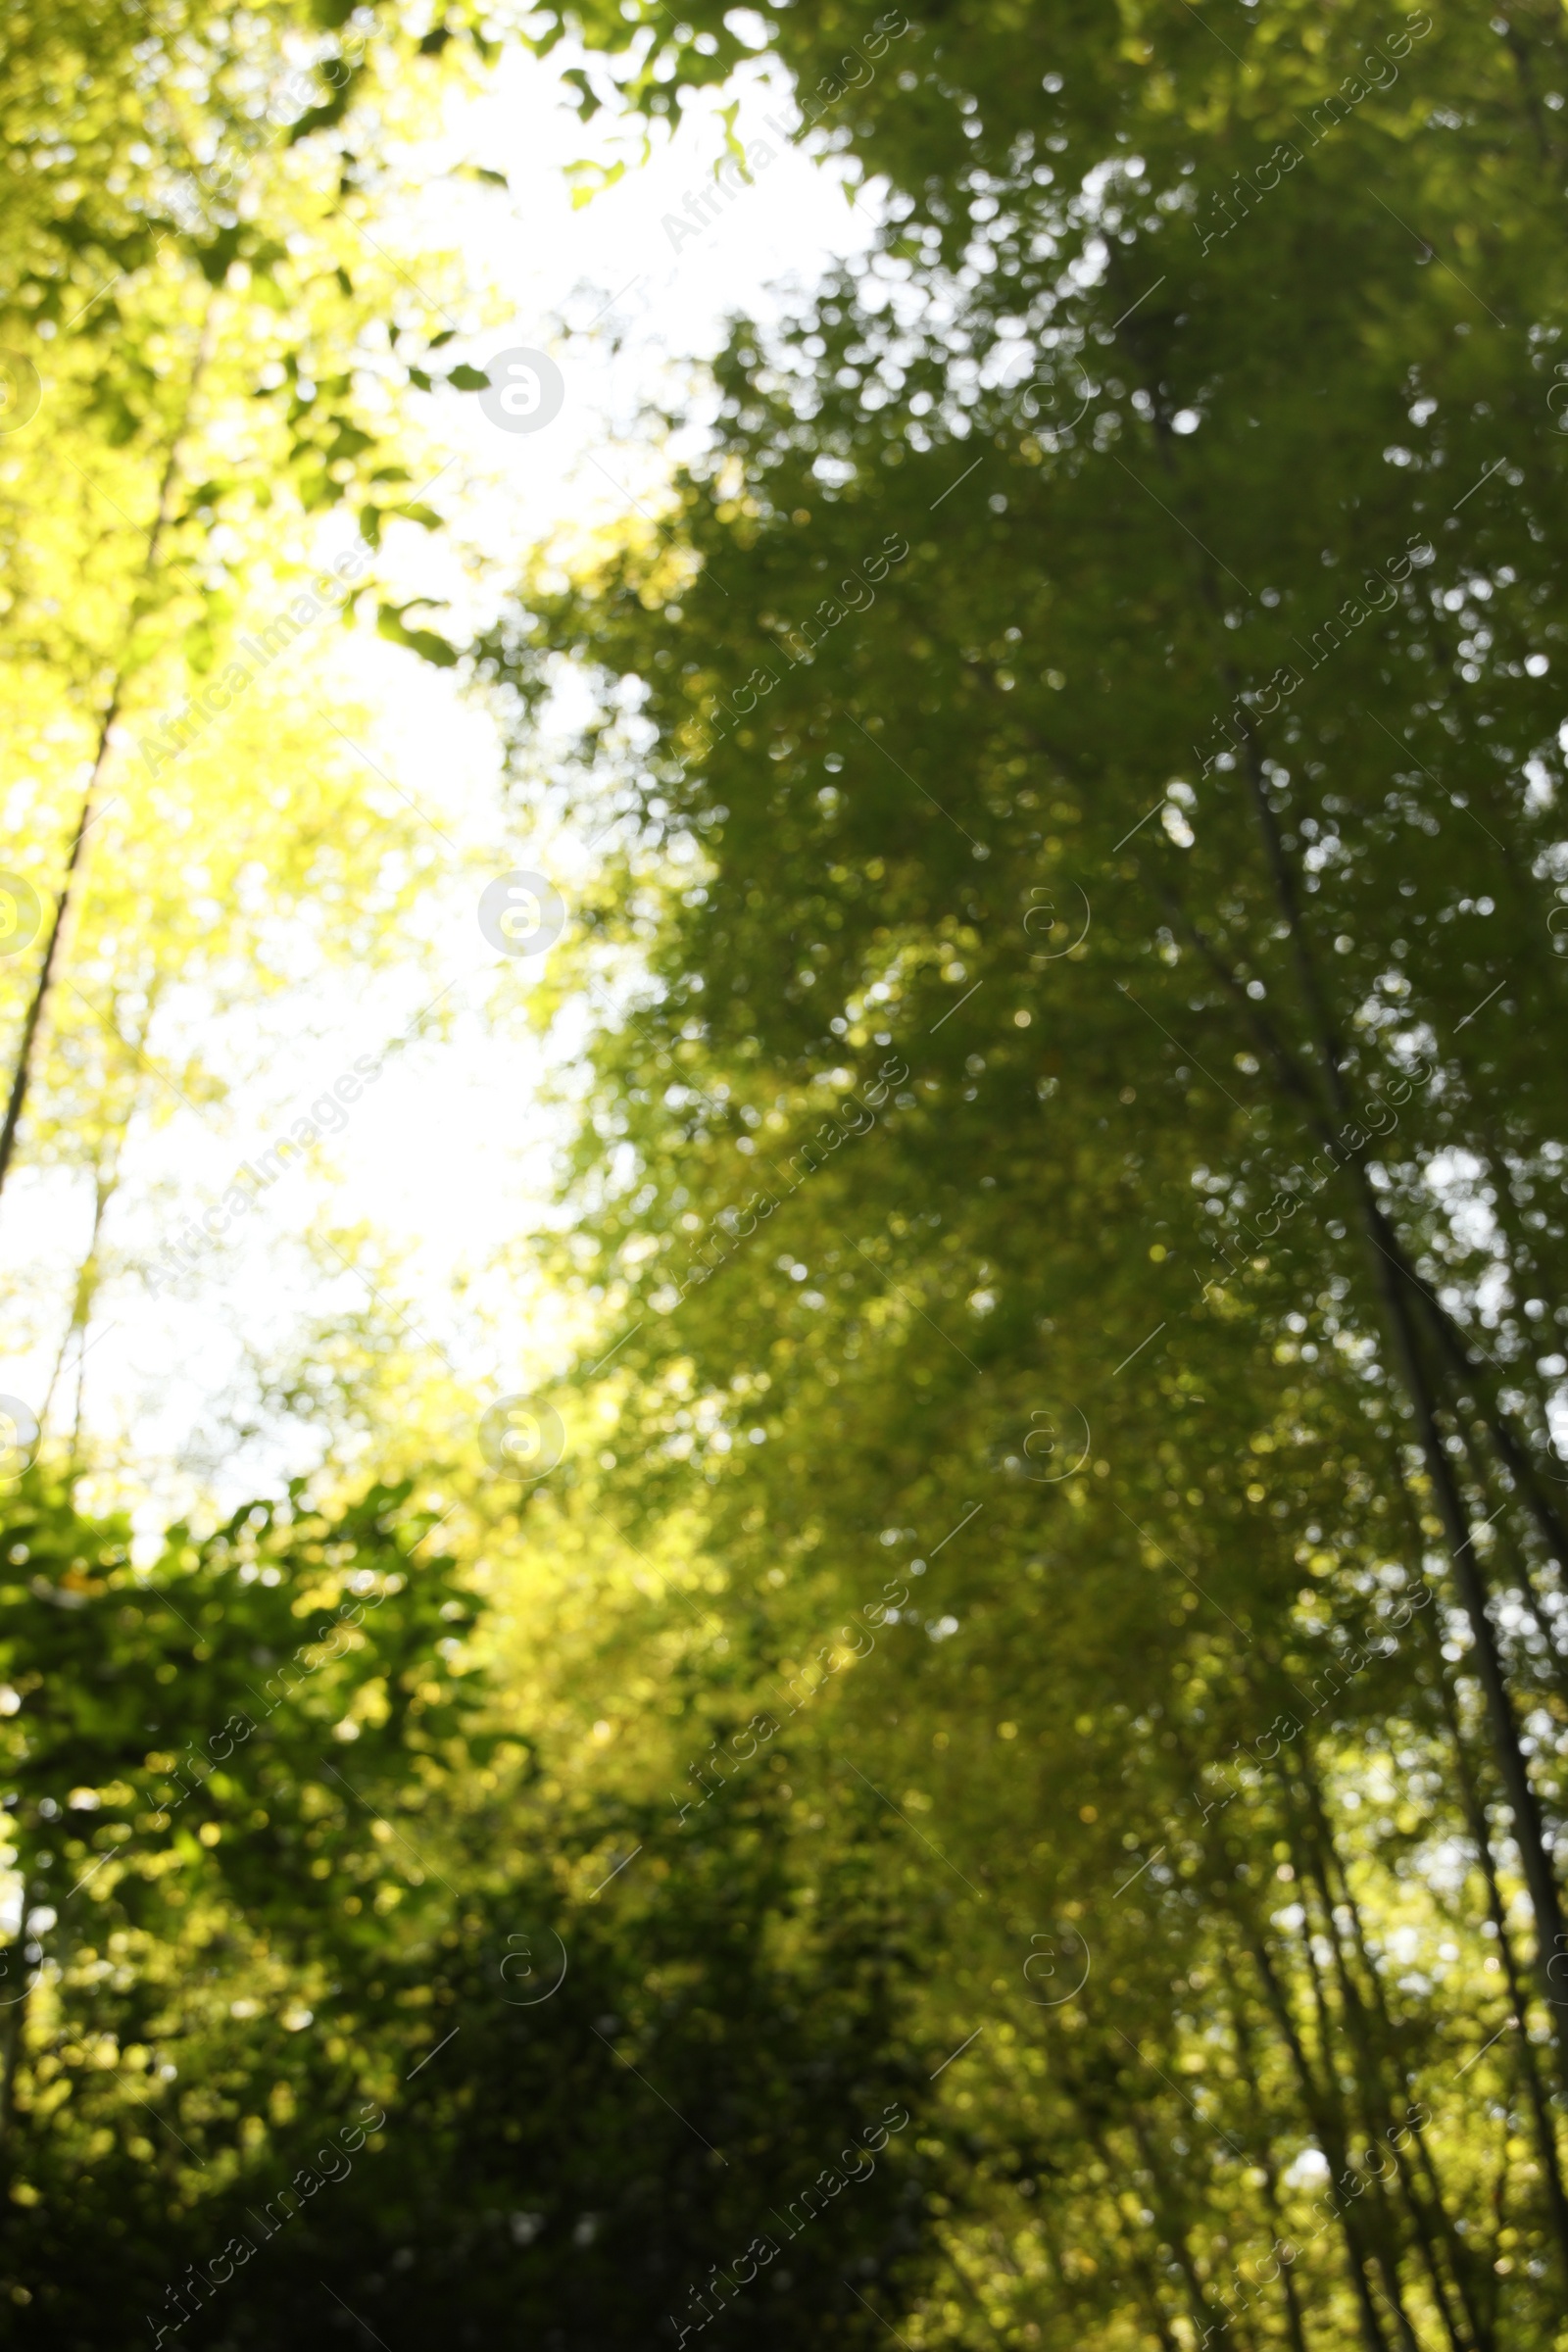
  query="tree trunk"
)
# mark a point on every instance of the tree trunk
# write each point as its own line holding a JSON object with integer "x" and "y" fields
{"x": 1391, "y": 1278}
{"x": 70, "y": 889}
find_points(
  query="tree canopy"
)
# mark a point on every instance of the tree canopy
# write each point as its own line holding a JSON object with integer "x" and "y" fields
{"x": 1041, "y": 1657}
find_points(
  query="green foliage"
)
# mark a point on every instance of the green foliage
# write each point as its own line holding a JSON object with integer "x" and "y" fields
{"x": 1086, "y": 1135}
{"x": 1070, "y": 1213}
{"x": 202, "y": 1755}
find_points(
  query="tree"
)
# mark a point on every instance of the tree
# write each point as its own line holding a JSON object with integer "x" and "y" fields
{"x": 1175, "y": 878}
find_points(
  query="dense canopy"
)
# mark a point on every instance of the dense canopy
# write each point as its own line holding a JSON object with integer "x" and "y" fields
{"x": 1006, "y": 1783}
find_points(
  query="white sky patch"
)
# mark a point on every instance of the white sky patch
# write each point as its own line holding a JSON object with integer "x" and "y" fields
{"x": 450, "y": 1156}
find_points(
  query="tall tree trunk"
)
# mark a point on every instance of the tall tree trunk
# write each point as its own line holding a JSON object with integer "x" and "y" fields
{"x": 104, "y": 1185}
{"x": 1393, "y": 1282}
{"x": 1380, "y": 2105}
{"x": 1518, "y": 1992}
{"x": 1473, "y": 1804}
{"x": 1321, "y": 2106}
{"x": 1534, "y": 1595}
{"x": 1172, "y": 2223}
{"x": 1271, "y": 2178}
{"x": 70, "y": 889}
{"x": 1452, "y": 1342}
{"x": 1374, "y": 2217}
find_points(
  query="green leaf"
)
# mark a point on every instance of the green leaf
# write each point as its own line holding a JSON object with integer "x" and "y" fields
{"x": 588, "y": 102}
{"x": 425, "y": 643}
{"x": 590, "y": 178}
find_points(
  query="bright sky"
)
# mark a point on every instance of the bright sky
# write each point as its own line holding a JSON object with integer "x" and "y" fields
{"x": 450, "y": 1159}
